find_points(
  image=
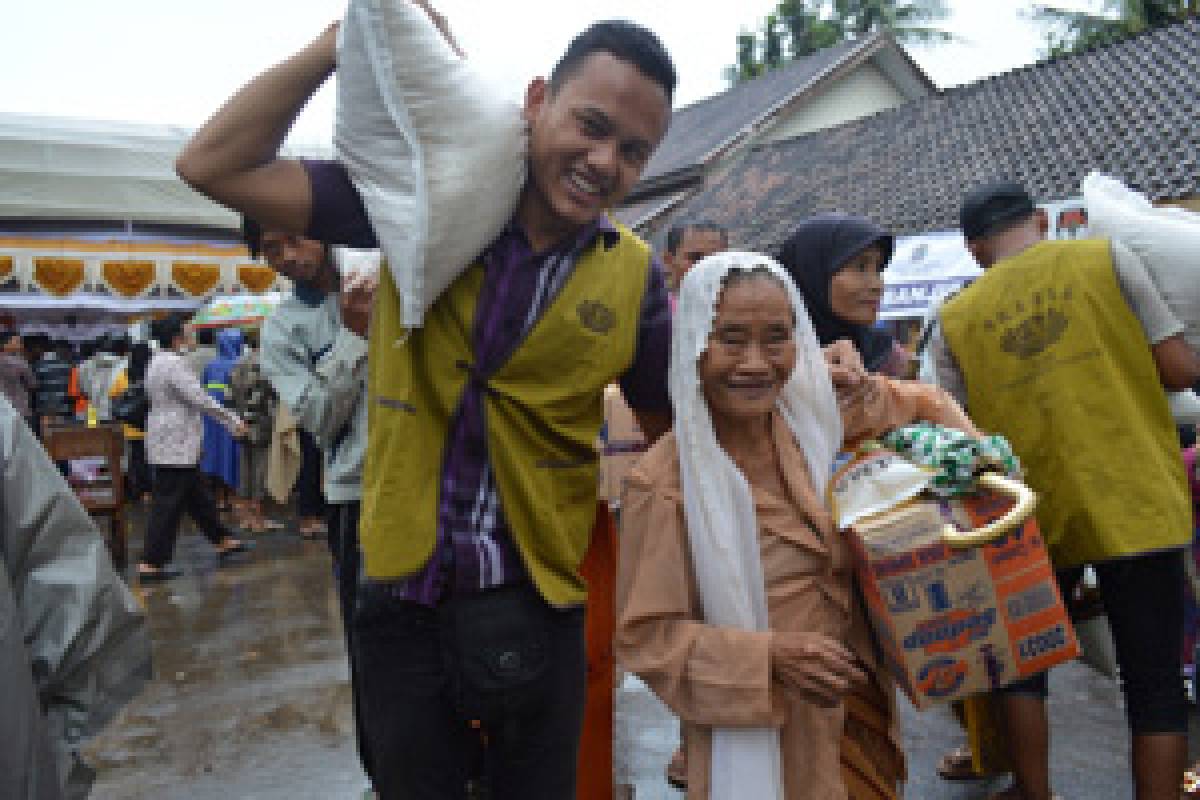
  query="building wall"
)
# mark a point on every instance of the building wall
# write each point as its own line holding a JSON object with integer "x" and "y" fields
{"x": 863, "y": 92}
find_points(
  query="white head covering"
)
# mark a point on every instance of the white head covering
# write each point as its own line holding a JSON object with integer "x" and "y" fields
{"x": 719, "y": 508}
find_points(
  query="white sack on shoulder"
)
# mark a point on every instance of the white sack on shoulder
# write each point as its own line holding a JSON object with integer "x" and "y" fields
{"x": 1166, "y": 239}
{"x": 437, "y": 154}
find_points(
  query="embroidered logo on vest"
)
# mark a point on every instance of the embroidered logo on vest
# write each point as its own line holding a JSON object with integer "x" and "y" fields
{"x": 596, "y": 316}
{"x": 1037, "y": 328}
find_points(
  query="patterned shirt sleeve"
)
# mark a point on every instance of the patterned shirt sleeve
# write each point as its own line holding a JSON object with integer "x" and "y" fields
{"x": 189, "y": 391}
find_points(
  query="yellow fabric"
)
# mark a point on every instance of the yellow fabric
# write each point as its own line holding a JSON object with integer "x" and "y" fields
{"x": 1055, "y": 360}
{"x": 979, "y": 716}
{"x": 543, "y": 410}
{"x": 119, "y": 385}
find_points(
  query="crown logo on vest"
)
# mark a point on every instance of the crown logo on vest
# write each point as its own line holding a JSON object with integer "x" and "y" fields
{"x": 1037, "y": 332}
{"x": 596, "y": 316}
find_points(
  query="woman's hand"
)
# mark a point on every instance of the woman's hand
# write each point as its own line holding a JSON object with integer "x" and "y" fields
{"x": 846, "y": 370}
{"x": 812, "y": 663}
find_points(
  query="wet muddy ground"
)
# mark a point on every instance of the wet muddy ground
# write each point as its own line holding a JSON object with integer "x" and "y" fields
{"x": 250, "y": 699}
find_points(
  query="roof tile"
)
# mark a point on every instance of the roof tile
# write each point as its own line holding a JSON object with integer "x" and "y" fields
{"x": 1131, "y": 109}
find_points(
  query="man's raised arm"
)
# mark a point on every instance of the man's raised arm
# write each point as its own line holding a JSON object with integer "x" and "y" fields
{"x": 233, "y": 157}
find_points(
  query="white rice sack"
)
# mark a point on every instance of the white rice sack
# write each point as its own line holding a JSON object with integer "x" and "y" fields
{"x": 1166, "y": 239}
{"x": 437, "y": 153}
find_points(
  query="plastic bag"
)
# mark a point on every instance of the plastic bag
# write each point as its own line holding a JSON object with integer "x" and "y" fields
{"x": 1166, "y": 239}
{"x": 437, "y": 153}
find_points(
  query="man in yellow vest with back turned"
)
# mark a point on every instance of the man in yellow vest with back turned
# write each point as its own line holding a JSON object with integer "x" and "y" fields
{"x": 479, "y": 487}
{"x": 1065, "y": 348}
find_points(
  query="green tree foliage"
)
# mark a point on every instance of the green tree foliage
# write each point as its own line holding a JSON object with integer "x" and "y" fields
{"x": 798, "y": 28}
{"x": 1071, "y": 31}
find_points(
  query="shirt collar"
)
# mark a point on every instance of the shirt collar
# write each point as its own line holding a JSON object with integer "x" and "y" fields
{"x": 309, "y": 295}
{"x": 602, "y": 227}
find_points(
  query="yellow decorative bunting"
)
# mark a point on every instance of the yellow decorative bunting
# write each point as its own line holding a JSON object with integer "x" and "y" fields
{"x": 256, "y": 277}
{"x": 129, "y": 278}
{"x": 58, "y": 276}
{"x": 195, "y": 278}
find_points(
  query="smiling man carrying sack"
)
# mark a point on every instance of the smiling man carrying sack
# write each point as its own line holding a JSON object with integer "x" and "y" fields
{"x": 480, "y": 482}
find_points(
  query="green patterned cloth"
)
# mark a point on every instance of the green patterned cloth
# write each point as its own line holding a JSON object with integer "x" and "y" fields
{"x": 956, "y": 458}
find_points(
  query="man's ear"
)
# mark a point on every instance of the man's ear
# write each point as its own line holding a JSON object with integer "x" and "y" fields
{"x": 536, "y": 95}
{"x": 1043, "y": 221}
{"x": 978, "y": 249}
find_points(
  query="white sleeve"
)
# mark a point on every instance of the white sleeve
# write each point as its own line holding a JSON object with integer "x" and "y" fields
{"x": 1143, "y": 296}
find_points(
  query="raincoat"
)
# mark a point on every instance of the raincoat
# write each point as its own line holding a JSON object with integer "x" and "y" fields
{"x": 221, "y": 456}
{"x": 74, "y": 645}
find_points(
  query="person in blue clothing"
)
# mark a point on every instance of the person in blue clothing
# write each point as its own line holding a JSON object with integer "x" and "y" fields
{"x": 221, "y": 458}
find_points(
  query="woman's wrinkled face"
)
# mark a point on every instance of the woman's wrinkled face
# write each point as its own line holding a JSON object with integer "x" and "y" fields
{"x": 751, "y": 350}
{"x": 856, "y": 289}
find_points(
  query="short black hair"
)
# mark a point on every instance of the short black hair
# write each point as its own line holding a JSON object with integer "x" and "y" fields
{"x": 252, "y": 234}
{"x": 625, "y": 41}
{"x": 165, "y": 330}
{"x": 678, "y": 231}
{"x": 206, "y": 336}
{"x": 6, "y": 337}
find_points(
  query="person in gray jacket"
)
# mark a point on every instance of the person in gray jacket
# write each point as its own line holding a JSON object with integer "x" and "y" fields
{"x": 314, "y": 352}
{"x": 74, "y": 645}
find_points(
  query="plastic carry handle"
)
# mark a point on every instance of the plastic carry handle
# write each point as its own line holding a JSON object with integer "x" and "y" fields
{"x": 1026, "y": 501}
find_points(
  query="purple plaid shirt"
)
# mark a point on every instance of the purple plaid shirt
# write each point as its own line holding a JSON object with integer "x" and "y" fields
{"x": 474, "y": 548}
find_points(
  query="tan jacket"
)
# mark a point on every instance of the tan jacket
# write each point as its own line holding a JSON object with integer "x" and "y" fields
{"x": 712, "y": 676}
{"x": 285, "y": 456}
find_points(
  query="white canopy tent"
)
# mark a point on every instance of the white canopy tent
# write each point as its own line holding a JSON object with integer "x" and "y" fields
{"x": 75, "y": 169}
{"x": 94, "y": 220}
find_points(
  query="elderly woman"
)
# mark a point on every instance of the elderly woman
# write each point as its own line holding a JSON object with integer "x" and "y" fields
{"x": 837, "y": 262}
{"x": 736, "y": 599}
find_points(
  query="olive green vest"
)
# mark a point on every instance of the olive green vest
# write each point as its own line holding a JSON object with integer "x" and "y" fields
{"x": 1056, "y": 361}
{"x": 543, "y": 411}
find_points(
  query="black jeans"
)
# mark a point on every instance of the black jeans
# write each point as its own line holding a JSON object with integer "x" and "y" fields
{"x": 1144, "y": 599}
{"x": 310, "y": 502}
{"x": 503, "y": 658}
{"x": 342, "y": 521}
{"x": 138, "y": 477}
{"x": 176, "y": 490}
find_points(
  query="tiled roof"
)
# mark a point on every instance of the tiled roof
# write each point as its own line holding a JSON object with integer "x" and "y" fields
{"x": 1131, "y": 110}
{"x": 708, "y": 124}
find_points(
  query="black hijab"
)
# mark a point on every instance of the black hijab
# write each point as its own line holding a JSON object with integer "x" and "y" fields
{"x": 818, "y": 248}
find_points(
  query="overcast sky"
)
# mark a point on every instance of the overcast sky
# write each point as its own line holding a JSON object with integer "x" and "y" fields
{"x": 175, "y": 61}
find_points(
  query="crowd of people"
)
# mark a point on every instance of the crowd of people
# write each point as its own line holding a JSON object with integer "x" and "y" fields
{"x": 205, "y": 446}
{"x": 461, "y": 486}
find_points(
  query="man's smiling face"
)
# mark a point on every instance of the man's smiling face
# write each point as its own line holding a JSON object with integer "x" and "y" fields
{"x": 590, "y": 138}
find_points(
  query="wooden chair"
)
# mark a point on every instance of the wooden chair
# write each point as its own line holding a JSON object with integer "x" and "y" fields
{"x": 104, "y": 496}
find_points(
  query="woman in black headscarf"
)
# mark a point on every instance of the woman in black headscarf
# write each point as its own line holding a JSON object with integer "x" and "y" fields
{"x": 837, "y": 261}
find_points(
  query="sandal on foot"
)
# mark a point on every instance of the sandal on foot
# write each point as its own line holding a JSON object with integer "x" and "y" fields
{"x": 224, "y": 553}
{"x": 676, "y": 772}
{"x": 160, "y": 575}
{"x": 958, "y": 765}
